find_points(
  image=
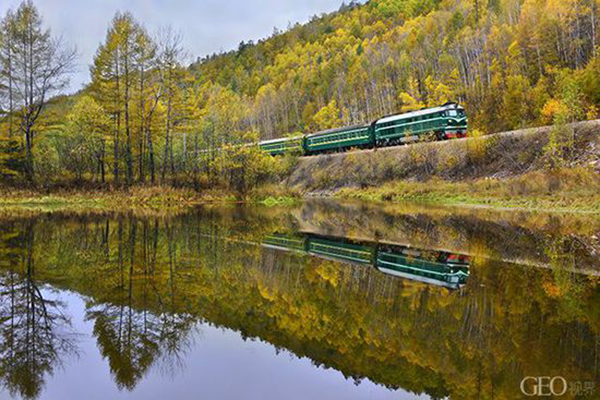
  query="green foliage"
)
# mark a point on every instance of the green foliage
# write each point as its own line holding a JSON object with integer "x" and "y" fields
{"x": 278, "y": 201}
{"x": 517, "y": 101}
{"x": 48, "y": 163}
{"x": 558, "y": 152}
{"x": 243, "y": 167}
{"x": 82, "y": 143}
{"x": 591, "y": 81}
{"x": 12, "y": 160}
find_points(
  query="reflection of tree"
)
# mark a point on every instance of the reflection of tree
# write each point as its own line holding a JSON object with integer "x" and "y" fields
{"x": 129, "y": 336}
{"x": 126, "y": 340}
{"x": 34, "y": 330}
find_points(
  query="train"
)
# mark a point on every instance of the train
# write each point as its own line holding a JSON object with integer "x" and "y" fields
{"x": 439, "y": 268}
{"x": 444, "y": 122}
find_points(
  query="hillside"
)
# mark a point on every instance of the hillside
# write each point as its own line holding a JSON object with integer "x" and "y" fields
{"x": 512, "y": 63}
{"x": 549, "y": 163}
{"x": 499, "y": 156}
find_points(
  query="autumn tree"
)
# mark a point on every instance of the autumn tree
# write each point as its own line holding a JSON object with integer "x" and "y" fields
{"x": 328, "y": 116}
{"x": 36, "y": 66}
{"x": 145, "y": 49}
{"x": 114, "y": 81}
{"x": 7, "y": 33}
{"x": 170, "y": 57}
{"x": 11, "y": 159}
{"x": 85, "y": 138}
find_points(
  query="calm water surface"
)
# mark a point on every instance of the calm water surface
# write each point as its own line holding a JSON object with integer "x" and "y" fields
{"x": 321, "y": 301}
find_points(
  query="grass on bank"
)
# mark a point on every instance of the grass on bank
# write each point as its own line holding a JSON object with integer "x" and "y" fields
{"x": 562, "y": 189}
{"x": 154, "y": 197}
{"x": 135, "y": 196}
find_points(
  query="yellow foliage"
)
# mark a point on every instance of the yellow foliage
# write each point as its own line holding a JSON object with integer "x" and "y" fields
{"x": 552, "y": 110}
{"x": 328, "y": 116}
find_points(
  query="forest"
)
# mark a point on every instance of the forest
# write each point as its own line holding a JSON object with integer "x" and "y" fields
{"x": 152, "y": 117}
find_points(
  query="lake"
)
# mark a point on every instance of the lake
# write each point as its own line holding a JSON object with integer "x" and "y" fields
{"x": 322, "y": 300}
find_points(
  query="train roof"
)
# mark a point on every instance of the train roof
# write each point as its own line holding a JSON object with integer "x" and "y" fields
{"x": 336, "y": 130}
{"x": 419, "y": 278}
{"x": 412, "y": 114}
{"x": 283, "y": 139}
{"x": 447, "y": 106}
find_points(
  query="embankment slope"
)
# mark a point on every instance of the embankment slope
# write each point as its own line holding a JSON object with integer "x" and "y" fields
{"x": 497, "y": 156}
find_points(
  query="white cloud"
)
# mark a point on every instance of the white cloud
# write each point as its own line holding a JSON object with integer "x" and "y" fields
{"x": 208, "y": 26}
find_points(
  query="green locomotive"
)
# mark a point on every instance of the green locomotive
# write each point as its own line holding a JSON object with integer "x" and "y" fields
{"x": 445, "y": 122}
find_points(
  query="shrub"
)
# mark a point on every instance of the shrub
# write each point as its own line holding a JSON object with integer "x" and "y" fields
{"x": 478, "y": 145}
{"x": 560, "y": 145}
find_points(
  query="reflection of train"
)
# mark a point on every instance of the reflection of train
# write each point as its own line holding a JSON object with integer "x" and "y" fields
{"x": 433, "y": 267}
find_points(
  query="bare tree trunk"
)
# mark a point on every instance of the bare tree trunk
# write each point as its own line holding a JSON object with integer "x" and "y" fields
{"x": 142, "y": 177}
{"x": 128, "y": 155}
{"x": 593, "y": 11}
{"x": 28, "y": 153}
{"x": 117, "y": 121}
{"x": 102, "y": 158}
{"x": 168, "y": 138}
{"x": 151, "y": 155}
{"x": 150, "y": 143}
{"x": 166, "y": 158}
{"x": 185, "y": 153}
{"x": 9, "y": 73}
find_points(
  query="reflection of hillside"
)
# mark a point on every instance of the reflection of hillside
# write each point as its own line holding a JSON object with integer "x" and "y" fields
{"x": 149, "y": 279}
{"x": 520, "y": 238}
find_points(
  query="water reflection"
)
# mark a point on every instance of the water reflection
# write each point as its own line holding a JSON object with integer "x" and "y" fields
{"x": 130, "y": 336}
{"x": 434, "y": 267}
{"x": 297, "y": 280}
{"x": 34, "y": 329}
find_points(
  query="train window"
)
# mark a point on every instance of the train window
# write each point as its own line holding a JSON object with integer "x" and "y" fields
{"x": 452, "y": 113}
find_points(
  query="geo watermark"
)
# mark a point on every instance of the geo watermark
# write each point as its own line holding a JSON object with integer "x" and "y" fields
{"x": 556, "y": 386}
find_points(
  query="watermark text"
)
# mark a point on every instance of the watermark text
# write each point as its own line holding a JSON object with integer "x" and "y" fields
{"x": 555, "y": 386}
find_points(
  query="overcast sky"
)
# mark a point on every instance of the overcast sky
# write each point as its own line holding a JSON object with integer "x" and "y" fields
{"x": 208, "y": 26}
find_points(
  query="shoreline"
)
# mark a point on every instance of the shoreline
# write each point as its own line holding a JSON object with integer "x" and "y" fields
{"x": 152, "y": 198}
{"x": 166, "y": 199}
